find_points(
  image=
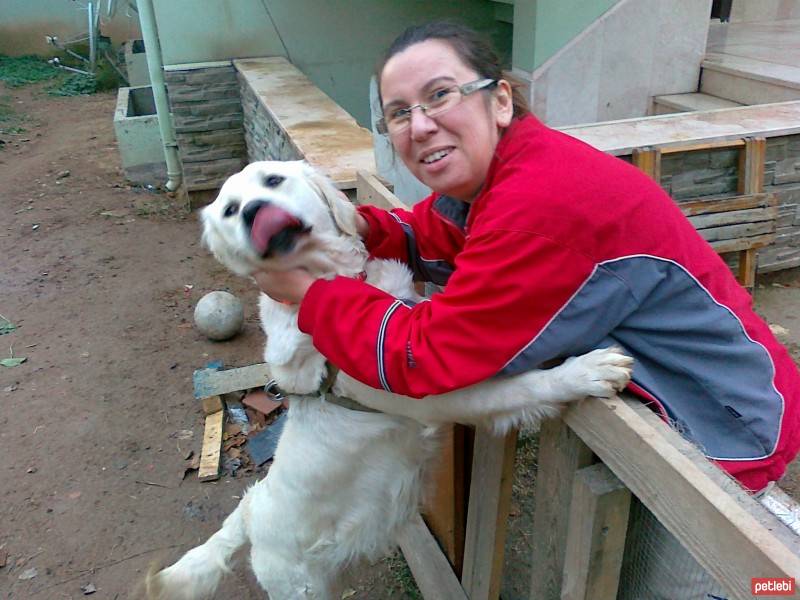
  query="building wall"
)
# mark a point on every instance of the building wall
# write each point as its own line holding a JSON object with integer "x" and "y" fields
{"x": 209, "y": 123}
{"x": 25, "y": 23}
{"x": 336, "y": 44}
{"x": 543, "y": 27}
{"x": 611, "y": 70}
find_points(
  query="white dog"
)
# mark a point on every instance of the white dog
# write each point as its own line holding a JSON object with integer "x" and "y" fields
{"x": 344, "y": 481}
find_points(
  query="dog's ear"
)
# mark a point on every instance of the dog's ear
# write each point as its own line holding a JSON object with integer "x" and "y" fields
{"x": 342, "y": 210}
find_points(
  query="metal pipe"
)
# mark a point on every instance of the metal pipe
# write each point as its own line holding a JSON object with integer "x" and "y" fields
{"x": 92, "y": 38}
{"x": 155, "y": 65}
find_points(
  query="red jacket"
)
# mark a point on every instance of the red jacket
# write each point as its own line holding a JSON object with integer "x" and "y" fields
{"x": 564, "y": 250}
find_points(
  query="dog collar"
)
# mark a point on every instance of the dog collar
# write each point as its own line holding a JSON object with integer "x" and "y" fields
{"x": 323, "y": 393}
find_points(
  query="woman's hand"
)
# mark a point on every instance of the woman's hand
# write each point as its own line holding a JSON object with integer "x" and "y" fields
{"x": 289, "y": 287}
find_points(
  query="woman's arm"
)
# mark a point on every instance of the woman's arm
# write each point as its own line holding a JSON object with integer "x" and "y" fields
{"x": 499, "y": 308}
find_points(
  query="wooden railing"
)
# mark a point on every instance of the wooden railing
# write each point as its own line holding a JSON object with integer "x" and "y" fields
{"x": 590, "y": 462}
{"x": 742, "y": 223}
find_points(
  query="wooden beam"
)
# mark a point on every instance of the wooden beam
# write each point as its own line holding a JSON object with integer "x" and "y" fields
{"x": 648, "y": 160}
{"x": 370, "y": 190}
{"x": 751, "y": 166}
{"x": 700, "y": 146}
{"x": 561, "y": 455}
{"x": 212, "y": 404}
{"x": 487, "y": 515}
{"x": 445, "y": 510}
{"x": 210, "y": 382}
{"x": 748, "y": 260}
{"x": 703, "y": 206}
{"x": 212, "y": 445}
{"x": 598, "y": 523}
{"x": 429, "y": 566}
{"x": 727, "y": 532}
{"x": 756, "y": 241}
{"x": 735, "y": 217}
{"x": 729, "y": 232}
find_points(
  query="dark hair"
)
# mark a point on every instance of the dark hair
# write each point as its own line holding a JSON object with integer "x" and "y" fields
{"x": 473, "y": 48}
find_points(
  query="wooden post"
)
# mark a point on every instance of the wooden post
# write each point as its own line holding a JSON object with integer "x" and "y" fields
{"x": 727, "y": 532}
{"x": 445, "y": 512}
{"x": 751, "y": 166}
{"x": 751, "y": 181}
{"x": 648, "y": 160}
{"x": 598, "y": 523}
{"x": 370, "y": 190}
{"x": 430, "y": 568}
{"x": 561, "y": 454}
{"x": 487, "y": 516}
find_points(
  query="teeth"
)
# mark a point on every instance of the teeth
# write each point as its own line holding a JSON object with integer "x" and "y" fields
{"x": 435, "y": 156}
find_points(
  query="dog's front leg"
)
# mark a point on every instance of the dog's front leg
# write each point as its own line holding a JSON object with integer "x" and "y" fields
{"x": 505, "y": 402}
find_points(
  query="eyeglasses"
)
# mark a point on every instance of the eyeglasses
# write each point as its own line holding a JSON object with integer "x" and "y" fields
{"x": 439, "y": 101}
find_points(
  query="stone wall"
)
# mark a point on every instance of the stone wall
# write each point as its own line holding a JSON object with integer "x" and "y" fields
{"x": 266, "y": 140}
{"x": 782, "y": 176}
{"x": 207, "y": 111}
{"x": 691, "y": 175}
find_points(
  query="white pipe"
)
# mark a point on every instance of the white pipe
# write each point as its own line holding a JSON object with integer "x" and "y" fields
{"x": 155, "y": 65}
{"x": 92, "y": 38}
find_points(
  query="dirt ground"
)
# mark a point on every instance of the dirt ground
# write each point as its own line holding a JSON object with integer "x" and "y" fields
{"x": 101, "y": 280}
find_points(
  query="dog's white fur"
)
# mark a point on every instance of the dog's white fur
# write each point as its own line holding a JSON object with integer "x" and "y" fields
{"x": 344, "y": 482}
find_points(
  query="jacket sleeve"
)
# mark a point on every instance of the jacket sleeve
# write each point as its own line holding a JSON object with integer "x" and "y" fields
{"x": 507, "y": 287}
{"x": 420, "y": 238}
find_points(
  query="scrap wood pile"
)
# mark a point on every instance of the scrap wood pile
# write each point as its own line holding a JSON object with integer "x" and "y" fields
{"x": 243, "y": 423}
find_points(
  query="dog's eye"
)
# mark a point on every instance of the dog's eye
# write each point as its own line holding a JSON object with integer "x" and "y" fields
{"x": 231, "y": 209}
{"x": 273, "y": 181}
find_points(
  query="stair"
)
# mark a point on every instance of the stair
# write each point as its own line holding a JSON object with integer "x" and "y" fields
{"x": 695, "y": 101}
{"x": 748, "y": 80}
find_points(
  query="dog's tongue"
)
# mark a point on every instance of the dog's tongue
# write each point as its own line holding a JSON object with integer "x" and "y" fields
{"x": 269, "y": 220}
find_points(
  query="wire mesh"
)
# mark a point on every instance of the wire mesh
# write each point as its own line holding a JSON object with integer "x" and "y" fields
{"x": 657, "y": 567}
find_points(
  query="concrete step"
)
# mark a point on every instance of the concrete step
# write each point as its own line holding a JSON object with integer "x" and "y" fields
{"x": 678, "y": 103}
{"x": 749, "y": 81}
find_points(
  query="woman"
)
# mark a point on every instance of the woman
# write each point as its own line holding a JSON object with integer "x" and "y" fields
{"x": 548, "y": 248}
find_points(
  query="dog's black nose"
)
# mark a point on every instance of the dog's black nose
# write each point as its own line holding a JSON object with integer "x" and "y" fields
{"x": 249, "y": 212}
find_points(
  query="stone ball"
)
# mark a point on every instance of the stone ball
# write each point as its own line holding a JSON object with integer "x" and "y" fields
{"x": 219, "y": 315}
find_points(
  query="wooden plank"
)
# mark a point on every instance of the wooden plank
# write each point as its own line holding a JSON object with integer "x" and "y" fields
{"x": 758, "y": 241}
{"x": 429, "y": 566}
{"x": 699, "y": 146}
{"x": 751, "y": 166}
{"x": 210, "y": 382}
{"x": 648, "y": 160}
{"x": 729, "y": 232}
{"x": 704, "y": 206}
{"x": 747, "y": 267}
{"x": 212, "y": 444}
{"x": 487, "y": 515}
{"x": 370, "y": 190}
{"x": 445, "y": 509}
{"x": 735, "y": 217}
{"x": 598, "y": 524}
{"x": 561, "y": 454}
{"x": 212, "y": 404}
{"x": 728, "y": 533}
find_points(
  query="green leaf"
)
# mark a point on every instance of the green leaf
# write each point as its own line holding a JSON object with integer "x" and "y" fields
{"x": 6, "y": 326}
{"x": 13, "y": 362}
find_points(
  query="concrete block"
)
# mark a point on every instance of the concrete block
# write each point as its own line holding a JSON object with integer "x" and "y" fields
{"x": 138, "y": 136}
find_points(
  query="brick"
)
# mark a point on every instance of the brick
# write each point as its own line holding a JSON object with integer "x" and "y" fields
{"x": 261, "y": 402}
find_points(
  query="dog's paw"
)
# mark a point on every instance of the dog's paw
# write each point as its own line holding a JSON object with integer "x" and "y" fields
{"x": 601, "y": 373}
